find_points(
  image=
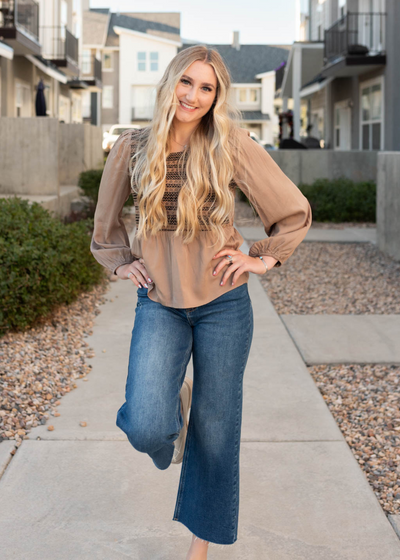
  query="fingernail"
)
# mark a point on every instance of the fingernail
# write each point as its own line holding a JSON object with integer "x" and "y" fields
{"x": 220, "y": 283}
{"x": 233, "y": 283}
{"x": 149, "y": 279}
{"x": 214, "y": 273}
{"x": 140, "y": 285}
{"x": 146, "y": 285}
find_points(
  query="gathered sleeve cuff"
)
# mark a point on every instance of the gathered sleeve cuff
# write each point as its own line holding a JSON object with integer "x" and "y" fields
{"x": 283, "y": 209}
{"x": 110, "y": 244}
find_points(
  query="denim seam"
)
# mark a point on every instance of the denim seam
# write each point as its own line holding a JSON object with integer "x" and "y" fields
{"x": 183, "y": 471}
{"x": 184, "y": 367}
{"x": 184, "y": 460}
{"x": 237, "y": 443}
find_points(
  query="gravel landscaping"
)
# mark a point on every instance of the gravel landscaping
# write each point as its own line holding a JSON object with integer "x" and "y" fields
{"x": 330, "y": 278}
{"x": 364, "y": 399}
{"x": 335, "y": 278}
{"x": 40, "y": 365}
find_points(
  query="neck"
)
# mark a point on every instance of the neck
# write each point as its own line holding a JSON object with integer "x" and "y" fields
{"x": 181, "y": 132}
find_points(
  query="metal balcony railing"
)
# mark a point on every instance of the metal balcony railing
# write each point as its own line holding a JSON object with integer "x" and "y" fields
{"x": 20, "y": 14}
{"x": 59, "y": 44}
{"x": 90, "y": 67}
{"x": 356, "y": 33}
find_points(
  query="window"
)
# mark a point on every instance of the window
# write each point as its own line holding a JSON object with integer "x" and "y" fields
{"x": 253, "y": 95}
{"x": 76, "y": 109}
{"x": 108, "y": 97}
{"x": 371, "y": 115}
{"x": 154, "y": 61}
{"x": 342, "y": 136}
{"x": 86, "y": 104}
{"x": 23, "y": 102}
{"x": 47, "y": 96}
{"x": 107, "y": 61}
{"x": 248, "y": 95}
{"x": 64, "y": 109}
{"x": 141, "y": 58}
{"x": 86, "y": 58}
{"x": 242, "y": 95}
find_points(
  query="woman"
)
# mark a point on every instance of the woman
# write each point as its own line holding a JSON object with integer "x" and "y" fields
{"x": 183, "y": 170}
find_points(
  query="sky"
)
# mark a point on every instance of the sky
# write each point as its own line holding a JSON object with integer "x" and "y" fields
{"x": 265, "y": 22}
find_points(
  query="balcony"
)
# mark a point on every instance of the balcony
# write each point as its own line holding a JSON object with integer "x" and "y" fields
{"x": 91, "y": 72}
{"x": 355, "y": 44}
{"x": 61, "y": 48}
{"x": 19, "y": 26}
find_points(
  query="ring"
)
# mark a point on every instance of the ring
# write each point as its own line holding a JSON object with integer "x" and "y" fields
{"x": 230, "y": 258}
{"x": 130, "y": 274}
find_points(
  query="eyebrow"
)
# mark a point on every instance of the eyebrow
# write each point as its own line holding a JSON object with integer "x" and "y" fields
{"x": 203, "y": 84}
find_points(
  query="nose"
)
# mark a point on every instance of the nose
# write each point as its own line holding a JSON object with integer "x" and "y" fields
{"x": 191, "y": 101}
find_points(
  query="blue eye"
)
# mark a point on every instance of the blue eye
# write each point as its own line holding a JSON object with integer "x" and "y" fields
{"x": 187, "y": 81}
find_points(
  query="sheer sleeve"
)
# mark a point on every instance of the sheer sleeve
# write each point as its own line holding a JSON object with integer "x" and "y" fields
{"x": 282, "y": 207}
{"x": 110, "y": 242}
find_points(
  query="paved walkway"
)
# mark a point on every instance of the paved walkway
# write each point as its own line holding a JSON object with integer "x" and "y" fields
{"x": 345, "y": 235}
{"x": 332, "y": 339}
{"x": 346, "y": 339}
{"x": 86, "y": 493}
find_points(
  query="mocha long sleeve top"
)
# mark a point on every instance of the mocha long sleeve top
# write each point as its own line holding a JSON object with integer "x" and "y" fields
{"x": 182, "y": 273}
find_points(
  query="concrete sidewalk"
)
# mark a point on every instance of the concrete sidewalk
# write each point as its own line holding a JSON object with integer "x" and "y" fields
{"x": 86, "y": 493}
{"x": 346, "y": 339}
{"x": 345, "y": 235}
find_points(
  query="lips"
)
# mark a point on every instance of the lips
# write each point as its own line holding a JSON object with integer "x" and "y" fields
{"x": 186, "y": 109}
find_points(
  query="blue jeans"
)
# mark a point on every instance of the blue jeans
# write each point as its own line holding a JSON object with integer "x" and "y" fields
{"x": 219, "y": 334}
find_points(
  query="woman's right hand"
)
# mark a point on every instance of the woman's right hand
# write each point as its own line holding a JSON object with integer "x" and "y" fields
{"x": 140, "y": 276}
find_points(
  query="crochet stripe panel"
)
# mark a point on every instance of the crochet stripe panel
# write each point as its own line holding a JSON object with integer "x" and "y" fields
{"x": 175, "y": 177}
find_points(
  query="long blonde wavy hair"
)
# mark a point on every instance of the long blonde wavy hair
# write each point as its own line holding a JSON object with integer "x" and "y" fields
{"x": 213, "y": 146}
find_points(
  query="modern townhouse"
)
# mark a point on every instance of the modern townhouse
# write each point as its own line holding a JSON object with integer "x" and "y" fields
{"x": 135, "y": 49}
{"x": 41, "y": 41}
{"x": 344, "y": 74}
{"x": 253, "y": 70}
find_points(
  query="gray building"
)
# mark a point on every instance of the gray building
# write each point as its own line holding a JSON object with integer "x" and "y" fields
{"x": 253, "y": 74}
{"x": 344, "y": 75}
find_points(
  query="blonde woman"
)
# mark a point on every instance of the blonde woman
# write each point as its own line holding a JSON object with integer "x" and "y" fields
{"x": 192, "y": 298}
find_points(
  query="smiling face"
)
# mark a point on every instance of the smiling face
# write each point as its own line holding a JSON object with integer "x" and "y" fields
{"x": 196, "y": 91}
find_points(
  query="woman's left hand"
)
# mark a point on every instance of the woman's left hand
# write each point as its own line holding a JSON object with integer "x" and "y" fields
{"x": 240, "y": 263}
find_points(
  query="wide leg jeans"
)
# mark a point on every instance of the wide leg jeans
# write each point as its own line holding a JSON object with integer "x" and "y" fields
{"x": 219, "y": 335}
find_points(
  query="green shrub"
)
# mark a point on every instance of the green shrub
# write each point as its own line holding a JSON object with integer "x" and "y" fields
{"x": 44, "y": 263}
{"x": 338, "y": 200}
{"x": 341, "y": 200}
{"x": 89, "y": 182}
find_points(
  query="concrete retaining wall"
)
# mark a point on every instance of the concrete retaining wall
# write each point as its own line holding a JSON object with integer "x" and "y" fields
{"x": 80, "y": 150}
{"x": 29, "y": 155}
{"x": 93, "y": 154}
{"x": 388, "y": 203}
{"x": 305, "y": 166}
{"x": 37, "y": 155}
{"x": 71, "y": 149}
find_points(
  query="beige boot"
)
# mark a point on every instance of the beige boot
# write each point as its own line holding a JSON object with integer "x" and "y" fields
{"x": 186, "y": 402}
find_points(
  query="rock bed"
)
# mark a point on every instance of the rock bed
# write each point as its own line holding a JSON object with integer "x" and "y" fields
{"x": 364, "y": 399}
{"x": 365, "y": 402}
{"x": 41, "y": 364}
{"x": 335, "y": 278}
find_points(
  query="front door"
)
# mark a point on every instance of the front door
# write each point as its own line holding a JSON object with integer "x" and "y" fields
{"x": 342, "y": 139}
